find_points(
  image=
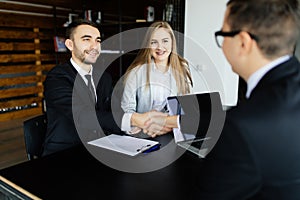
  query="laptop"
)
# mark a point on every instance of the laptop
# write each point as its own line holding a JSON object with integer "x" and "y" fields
{"x": 200, "y": 113}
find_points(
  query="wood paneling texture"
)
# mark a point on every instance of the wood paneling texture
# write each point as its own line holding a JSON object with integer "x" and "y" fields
{"x": 26, "y": 55}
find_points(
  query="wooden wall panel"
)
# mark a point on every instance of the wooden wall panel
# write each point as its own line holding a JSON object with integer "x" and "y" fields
{"x": 20, "y": 102}
{"x": 20, "y": 80}
{"x": 20, "y": 114}
{"x": 16, "y": 46}
{"x": 24, "y": 68}
{"x": 18, "y": 92}
{"x": 25, "y": 21}
{"x": 26, "y": 54}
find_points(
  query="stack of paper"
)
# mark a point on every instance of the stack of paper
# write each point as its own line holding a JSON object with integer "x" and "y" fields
{"x": 124, "y": 144}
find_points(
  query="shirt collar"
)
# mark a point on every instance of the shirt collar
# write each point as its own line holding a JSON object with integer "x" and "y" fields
{"x": 80, "y": 70}
{"x": 257, "y": 76}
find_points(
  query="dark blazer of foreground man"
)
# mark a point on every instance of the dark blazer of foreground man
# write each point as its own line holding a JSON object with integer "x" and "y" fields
{"x": 72, "y": 114}
{"x": 257, "y": 155}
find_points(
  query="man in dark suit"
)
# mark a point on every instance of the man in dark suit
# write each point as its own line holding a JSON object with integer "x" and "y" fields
{"x": 257, "y": 155}
{"x": 78, "y": 109}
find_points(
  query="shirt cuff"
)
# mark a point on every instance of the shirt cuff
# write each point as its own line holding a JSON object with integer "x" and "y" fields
{"x": 126, "y": 125}
{"x": 178, "y": 121}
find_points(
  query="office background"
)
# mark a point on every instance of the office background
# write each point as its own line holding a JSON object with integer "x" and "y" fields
{"x": 27, "y": 50}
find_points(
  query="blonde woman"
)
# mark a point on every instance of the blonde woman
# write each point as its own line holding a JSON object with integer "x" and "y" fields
{"x": 156, "y": 73}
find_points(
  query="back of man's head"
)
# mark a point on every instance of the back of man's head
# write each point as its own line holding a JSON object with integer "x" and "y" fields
{"x": 276, "y": 23}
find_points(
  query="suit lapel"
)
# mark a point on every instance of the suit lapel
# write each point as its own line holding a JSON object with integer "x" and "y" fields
{"x": 80, "y": 87}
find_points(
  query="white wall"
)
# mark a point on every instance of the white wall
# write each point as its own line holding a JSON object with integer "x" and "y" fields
{"x": 209, "y": 67}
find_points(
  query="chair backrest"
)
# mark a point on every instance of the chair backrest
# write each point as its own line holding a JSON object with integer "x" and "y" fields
{"x": 34, "y": 135}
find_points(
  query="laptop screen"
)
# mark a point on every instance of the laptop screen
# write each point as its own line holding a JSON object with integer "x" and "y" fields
{"x": 195, "y": 111}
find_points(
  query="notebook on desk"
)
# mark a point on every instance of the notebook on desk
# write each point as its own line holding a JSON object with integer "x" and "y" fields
{"x": 196, "y": 113}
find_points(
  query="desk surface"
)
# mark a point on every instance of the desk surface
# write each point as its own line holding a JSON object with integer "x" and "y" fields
{"x": 76, "y": 174}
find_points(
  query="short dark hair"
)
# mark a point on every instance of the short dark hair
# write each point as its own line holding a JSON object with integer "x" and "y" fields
{"x": 274, "y": 22}
{"x": 76, "y": 23}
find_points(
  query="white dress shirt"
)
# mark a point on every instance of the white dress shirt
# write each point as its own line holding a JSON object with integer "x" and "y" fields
{"x": 82, "y": 73}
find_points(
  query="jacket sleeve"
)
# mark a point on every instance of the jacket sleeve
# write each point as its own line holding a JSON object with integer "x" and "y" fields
{"x": 58, "y": 89}
{"x": 230, "y": 170}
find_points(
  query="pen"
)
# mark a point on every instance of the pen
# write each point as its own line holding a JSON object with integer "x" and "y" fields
{"x": 154, "y": 148}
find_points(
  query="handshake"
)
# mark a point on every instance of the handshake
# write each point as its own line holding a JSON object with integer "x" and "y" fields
{"x": 153, "y": 123}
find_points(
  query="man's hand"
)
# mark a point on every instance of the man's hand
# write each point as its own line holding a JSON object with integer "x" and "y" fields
{"x": 160, "y": 124}
{"x": 141, "y": 119}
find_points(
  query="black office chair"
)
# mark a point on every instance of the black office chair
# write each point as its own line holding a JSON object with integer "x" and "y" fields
{"x": 34, "y": 135}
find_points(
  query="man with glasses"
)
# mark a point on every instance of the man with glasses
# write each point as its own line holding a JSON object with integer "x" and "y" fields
{"x": 257, "y": 155}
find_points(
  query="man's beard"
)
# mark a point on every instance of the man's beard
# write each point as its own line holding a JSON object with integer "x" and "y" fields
{"x": 83, "y": 56}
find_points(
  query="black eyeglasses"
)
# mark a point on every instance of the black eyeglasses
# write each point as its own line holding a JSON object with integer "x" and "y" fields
{"x": 219, "y": 36}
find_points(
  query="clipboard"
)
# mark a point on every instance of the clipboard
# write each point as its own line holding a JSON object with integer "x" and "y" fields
{"x": 124, "y": 144}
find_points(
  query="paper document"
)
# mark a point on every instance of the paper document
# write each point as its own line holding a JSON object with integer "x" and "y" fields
{"x": 124, "y": 144}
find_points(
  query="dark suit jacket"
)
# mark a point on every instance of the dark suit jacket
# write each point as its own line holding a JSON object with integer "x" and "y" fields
{"x": 258, "y": 153}
{"x": 72, "y": 116}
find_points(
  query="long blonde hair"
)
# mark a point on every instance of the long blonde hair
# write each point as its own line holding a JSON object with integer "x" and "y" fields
{"x": 179, "y": 65}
